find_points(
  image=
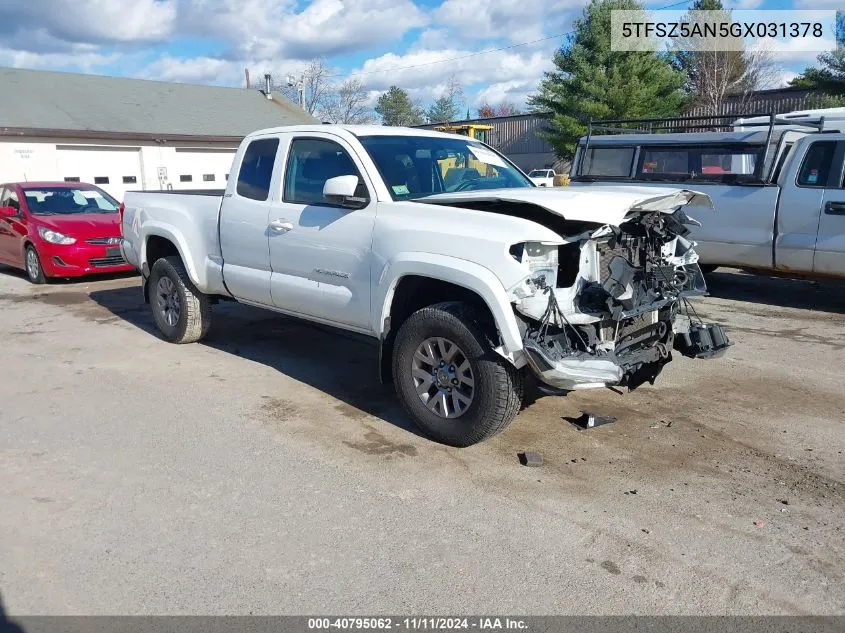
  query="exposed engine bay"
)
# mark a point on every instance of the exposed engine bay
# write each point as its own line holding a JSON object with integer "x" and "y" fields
{"x": 608, "y": 307}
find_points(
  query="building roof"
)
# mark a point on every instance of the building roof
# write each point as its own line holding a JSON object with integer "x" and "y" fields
{"x": 68, "y": 102}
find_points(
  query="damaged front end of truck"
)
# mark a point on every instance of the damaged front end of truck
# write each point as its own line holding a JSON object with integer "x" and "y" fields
{"x": 610, "y": 305}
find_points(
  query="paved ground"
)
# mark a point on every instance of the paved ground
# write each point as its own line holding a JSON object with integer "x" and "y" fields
{"x": 266, "y": 471}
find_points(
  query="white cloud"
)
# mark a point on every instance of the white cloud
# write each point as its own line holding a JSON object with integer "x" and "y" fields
{"x": 743, "y": 4}
{"x": 515, "y": 20}
{"x": 818, "y": 4}
{"x": 67, "y": 22}
{"x": 83, "y": 61}
{"x": 780, "y": 78}
{"x": 260, "y": 29}
{"x": 207, "y": 70}
{"x": 795, "y": 50}
{"x": 430, "y": 68}
{"x": 515, "y": 92}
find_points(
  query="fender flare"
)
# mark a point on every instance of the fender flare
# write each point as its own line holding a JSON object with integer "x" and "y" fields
{"x": 151, "y": 228}
{"x": 460, "y": 272}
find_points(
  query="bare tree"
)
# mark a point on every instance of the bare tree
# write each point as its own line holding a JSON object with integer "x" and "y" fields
{"x": 718, "y": 74}
{"x": 718, "y": 68}
{"x": 309, "y": 87}
{"x": 348, "y": 103}
{"x": 447, "y": 106}
{"x": 506, "y": 108}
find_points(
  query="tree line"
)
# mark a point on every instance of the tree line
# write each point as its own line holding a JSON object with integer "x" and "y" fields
{"x": 349, "y": 101}
{"x": 589, "y": 81}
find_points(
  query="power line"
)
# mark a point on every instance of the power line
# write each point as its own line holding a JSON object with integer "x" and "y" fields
{"x": 477, "y": 53}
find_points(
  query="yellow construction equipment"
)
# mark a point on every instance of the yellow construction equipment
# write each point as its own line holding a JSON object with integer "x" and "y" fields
{"x": 473, "y": 130}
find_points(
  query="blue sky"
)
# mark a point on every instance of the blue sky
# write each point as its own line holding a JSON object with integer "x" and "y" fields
{"x": 213, "y": 41}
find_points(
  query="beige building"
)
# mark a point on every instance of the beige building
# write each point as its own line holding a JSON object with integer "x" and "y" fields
{"x": 123, "y": 134}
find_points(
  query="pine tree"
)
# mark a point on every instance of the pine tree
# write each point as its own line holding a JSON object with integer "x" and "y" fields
{"x": 591, "y": 81}
{"x": 396, "y": 108}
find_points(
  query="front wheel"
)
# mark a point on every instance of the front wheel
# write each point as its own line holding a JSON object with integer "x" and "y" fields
{"x": 180, "y": 311}
{"x": 451, "y": 382}
{"x": 34, "y": 271}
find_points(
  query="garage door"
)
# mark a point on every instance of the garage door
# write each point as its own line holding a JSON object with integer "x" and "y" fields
{"x": 114, "y": 169}
{"x": 200, "y": 168}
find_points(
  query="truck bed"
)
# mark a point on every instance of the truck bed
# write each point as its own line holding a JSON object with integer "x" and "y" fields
{"x": 186, "y": 219}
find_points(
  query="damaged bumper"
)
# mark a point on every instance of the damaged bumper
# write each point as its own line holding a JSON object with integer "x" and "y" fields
{"x": 610, "y": 306}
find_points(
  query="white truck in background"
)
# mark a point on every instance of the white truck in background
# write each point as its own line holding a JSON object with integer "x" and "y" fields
{"x": 467, "y": 288}
{"x": 777, "y": 183}
{"x": 542, "y": 177}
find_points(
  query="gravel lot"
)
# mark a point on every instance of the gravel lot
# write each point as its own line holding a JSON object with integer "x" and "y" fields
{"x": 267, "y": 471}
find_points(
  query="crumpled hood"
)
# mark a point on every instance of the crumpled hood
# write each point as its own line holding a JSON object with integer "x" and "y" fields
{"x": 594, "y": 203}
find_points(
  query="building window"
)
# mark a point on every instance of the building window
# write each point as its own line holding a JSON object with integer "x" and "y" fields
{"x": 129, "y": 180}
{"x": 208, "y": 177}
{"x": 101, "y": 180}
{"x": 71, "y": 178}
{"x": 186, "y": 178}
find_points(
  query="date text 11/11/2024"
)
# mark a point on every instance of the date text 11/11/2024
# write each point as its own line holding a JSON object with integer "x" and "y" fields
{"x": 417, "y": 624}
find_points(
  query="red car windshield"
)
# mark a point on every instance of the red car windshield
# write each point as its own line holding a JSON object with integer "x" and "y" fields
{"x": 68, "y": 201}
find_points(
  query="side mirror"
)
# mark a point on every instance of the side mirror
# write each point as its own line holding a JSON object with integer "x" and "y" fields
{"x": 341, "y": 190}
{"x": 8, "y": 212}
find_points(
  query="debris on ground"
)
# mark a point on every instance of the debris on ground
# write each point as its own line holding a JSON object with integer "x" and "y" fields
{"x": 530, "y": 458}
{"x": 631, "y": 492}
{"x": 589, "y": 420}
{"x": 783, "y": 501}
{"x": 759, "y": 524}
{"x": 646, "y": 531}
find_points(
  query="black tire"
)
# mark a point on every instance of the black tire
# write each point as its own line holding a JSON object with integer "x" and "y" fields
{"x": 194, "y": 315}
{"x": 498, "y": 388}
{"x": 707, "y": 268}
{"x": 37, "y": 275}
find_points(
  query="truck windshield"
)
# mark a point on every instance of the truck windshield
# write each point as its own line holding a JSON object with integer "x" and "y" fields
{"x": 68, "y": 200}
{"x": 419, "y": 166}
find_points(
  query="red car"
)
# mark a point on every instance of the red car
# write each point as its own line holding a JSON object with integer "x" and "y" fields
{"x": 59, "y": 229}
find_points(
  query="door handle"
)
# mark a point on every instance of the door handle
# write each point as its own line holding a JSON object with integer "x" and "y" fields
{"x": 280, "y": 226}
{"x": 835, "y": 208}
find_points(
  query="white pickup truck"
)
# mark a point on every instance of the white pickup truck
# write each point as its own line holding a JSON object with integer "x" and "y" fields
{"x": 777, "y": 185}
{"x": 466, "y": 287}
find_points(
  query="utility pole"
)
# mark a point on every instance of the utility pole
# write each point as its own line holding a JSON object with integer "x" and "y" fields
{"x": 299, "y": 84}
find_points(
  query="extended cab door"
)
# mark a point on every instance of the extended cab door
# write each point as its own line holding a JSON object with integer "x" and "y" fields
{"x": 803, "y": 189}
{"x": 243, "y": 221}
{"x": 830, "y": 245}
{"x": 320, "y": 252}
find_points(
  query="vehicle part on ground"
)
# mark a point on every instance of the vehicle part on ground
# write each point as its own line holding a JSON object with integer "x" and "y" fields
{"x": 33, "y": 266}
{"x": 180, "y": 311}
{"x": 491, "y": 386}
{"x": 530, "y": 459}
{"x": 591, "y": 420}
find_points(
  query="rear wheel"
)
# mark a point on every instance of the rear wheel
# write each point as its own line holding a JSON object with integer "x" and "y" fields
{"x": 180, "y": 311}
{"x": 455, "y": 388}
{"x": 33, "y": 266}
